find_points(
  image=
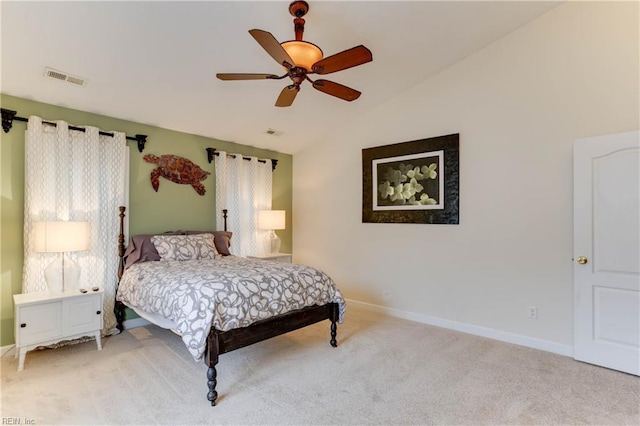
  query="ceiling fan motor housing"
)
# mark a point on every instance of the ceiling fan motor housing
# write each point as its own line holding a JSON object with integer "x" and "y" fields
{"x": 297, "y": 74}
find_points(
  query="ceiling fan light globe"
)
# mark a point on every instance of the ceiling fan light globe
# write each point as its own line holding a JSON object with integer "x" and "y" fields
{"x": 303, "y": 53}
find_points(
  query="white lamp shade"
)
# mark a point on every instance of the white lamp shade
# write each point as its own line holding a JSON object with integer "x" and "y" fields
{"x": 57, "y": 237}
{"x": 271, "y": 219}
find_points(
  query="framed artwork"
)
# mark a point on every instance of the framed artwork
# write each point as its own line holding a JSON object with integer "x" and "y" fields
{"x": 412, "y": 182}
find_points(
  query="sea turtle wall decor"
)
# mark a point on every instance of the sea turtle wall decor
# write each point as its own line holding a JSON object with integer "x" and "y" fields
{"x": 178, "y": 170}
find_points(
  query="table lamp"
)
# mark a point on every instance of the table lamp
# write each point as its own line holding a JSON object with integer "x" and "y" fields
{"x": 61, "y": 237}
{"x": 271, "y": 220}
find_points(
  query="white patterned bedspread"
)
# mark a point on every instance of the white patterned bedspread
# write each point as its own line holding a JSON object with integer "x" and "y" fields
{"x": 229, "y": 293}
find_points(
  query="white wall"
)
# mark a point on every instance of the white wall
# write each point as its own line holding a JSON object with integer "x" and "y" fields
{"x": 518, "y": 106}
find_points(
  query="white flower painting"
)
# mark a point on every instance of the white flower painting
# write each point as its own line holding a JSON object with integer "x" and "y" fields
{"x": 412, "y": 182}
{"x": 408, "y": 182}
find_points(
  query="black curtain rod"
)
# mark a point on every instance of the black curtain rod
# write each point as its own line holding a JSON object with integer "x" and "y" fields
{"x": 212, "y": 151}
{"x": 8, "y": 117}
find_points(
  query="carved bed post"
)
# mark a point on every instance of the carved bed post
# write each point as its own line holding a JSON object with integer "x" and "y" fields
{"x": 224, "y": 215}
{"x": 118, "y": 309}
{"x": 213, "y": 350}
{"x": 333, "y": 317}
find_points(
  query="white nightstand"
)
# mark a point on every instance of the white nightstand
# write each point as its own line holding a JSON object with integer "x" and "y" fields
{"x": 46, "y": 318}
{"x": 276, "y": 257}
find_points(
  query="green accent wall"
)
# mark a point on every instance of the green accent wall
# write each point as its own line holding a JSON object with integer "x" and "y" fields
{"x": 173, "y": 207}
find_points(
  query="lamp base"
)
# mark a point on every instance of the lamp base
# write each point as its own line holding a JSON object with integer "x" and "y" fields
{"x": 275, "y": 242}
{"x": 62, "y": 275}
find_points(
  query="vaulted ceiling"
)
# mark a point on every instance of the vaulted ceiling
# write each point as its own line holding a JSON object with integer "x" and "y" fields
{"x": 155, "y": 62}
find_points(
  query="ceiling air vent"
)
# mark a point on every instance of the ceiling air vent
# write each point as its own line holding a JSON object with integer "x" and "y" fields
{"x": 273, "y": 132}
{"x": 63, "y": 76}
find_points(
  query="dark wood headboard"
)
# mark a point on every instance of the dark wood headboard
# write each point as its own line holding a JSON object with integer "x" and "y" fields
{"x": 121, "y": 238}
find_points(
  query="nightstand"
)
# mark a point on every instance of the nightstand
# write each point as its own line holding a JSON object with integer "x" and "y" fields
{"x": 46, "y": 318}
{"x": 275, "y": 257}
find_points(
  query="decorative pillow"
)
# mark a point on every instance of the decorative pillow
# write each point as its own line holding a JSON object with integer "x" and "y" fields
{"x": 222, "y": 240}
{"x": 141, "y": 249}
{"x": 185, "y": 247}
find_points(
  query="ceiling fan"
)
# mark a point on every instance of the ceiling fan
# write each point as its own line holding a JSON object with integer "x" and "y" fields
{"x": 301, "y": 58}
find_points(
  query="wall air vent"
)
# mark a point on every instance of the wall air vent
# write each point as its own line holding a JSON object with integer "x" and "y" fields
{"x": 63, "y": 76}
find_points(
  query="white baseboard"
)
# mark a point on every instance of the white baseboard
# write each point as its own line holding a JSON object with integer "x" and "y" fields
{"x": 7, "y": 350}
{"x": 503, "y": 336}
{"x": 477, "y": 330}
{"x": 135, "y": 322}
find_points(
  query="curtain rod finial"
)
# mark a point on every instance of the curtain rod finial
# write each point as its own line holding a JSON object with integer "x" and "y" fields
{"x": 210, "y": 153}
{"x": 142, "y": 140}
{"x": 7, "y": 119}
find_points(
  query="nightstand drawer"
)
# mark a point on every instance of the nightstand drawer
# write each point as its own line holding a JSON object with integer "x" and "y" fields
{"x": 38, "y": 323}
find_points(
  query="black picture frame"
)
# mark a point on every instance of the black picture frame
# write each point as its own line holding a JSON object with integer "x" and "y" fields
{"x": 412, "y": 182}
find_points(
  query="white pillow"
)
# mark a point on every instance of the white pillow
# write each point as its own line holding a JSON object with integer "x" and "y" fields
{"x": 185, "y": 247}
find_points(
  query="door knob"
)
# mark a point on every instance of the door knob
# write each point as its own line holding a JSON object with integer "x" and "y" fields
{"x": 582, "y": 260}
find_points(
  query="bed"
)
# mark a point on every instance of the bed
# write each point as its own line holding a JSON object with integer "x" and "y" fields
{"x": 219, "y": 302}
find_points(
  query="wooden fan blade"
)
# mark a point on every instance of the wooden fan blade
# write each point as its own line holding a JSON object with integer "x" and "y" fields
{"x": 341, "y": 61}
{"x": 287, "y": 96}
{"x": 337, "y": 90}
{"x": 245, "y": 76}
{"x": 273, "y": 48}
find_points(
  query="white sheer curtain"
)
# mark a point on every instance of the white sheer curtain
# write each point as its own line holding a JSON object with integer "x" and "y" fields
{"x": 71, "y": 175}
{"x": 243, "y": 187}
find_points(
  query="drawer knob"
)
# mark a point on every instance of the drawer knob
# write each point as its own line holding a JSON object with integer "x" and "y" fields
{"x": 23, "y": 325}
{"x": 98, "y": 312}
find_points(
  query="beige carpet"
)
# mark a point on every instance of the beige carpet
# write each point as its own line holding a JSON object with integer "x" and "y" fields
{"x": 384, "y": 371}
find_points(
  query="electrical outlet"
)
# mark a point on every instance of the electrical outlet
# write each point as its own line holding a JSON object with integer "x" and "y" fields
{"x": 533, "y": 312}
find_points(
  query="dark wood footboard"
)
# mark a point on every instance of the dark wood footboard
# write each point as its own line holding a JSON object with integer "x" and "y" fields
{"x": 219, "y": 342}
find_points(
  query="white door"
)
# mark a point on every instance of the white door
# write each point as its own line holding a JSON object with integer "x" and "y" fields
{"x": 607, "y": 251}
